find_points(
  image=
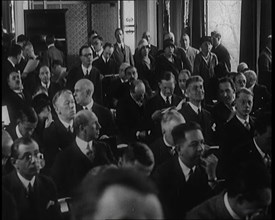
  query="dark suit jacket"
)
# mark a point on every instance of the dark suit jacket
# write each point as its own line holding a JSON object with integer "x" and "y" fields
{"x": 109, "y": 68}
{"x": 105, "y": 119}
{"x": 52, "y": 54}
{"x": 71, "y": 165}
{"x": 15, "y": 103}
{"x": 130, "y": 118}
{"x": 261, "y": 98}
{"x": 56, "y": 138}
{"x": 205, "y": 122}
{"x": 44, "y": 192}
{"x": 163, "y": 64}
{"x": 9, "y": 208}
{"x": 161, "y": 152}
{"x": 121, "y": 57}
{"x": 7, "y": 68}
{"x": 176, "y": 195}
{"x": 76, "y": 73}
{"x": 186, "y": 64}
{"x": 222, "y": 55}
{"x": 234, "y": 134}
{"x": 213, "y": 208}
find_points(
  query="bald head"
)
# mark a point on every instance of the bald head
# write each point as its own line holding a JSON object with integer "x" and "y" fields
{"x": 6, "y": 146}
{"x": 83, "y": 92}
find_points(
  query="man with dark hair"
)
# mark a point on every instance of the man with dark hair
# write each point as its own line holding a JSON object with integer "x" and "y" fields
{"x": 92, "y": 34}
{"x": 84, "y": 153}
{"x": 26, "y": 123}
{"x": 116, "y": 194}
{"x": 138, "y": 156}
{"x": 193, "y": 110}
{"x": 21, "y": 39}
{"x": 224, "y": 110}
{"x": 97, "y": 42}
{"x": 122, "y": 53}
{"x": 220, "y": 50}
{"x": 248, "y": 195}
{"x": 86, "y": 70}
{"x": 52, "y": 53}
{"x": 34, "y": 193}
{"x": 189, "y": 177}
{"x": 130, "y": 114}
{"x": 239, "y": 80}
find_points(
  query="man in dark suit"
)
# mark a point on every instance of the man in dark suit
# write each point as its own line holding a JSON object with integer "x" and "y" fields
{"x": 261, "y": 96}
{"x": 180, "y": 88}
{"x": 26, "y": 123}
{"x": 10, "y": 64}
{"x": 92, "y": 34}
{"x": 188, "y": 178}
{"x": 59, "y": 135}
{"x": 52, "y": 53}
{"x": 97, "y": 42}
{"x": 241, "y": 199}
{"x": 83, "y": 94}
{"x": 86, "y": 70}
{"x": 84, "y": 153}
{"x": 190, "y": 52}
{"x": 15, "y": 97}
{"x": 130, "y": 114}
{"x": 122, "y": 53}
{"x": 34, "y": 193}
{"x": 240, "y": 129}
{"x": 220, "y": 51}
{"x": 163, "y": 148}
{"x": 193, "y": 110}
{"x": 265, "y": 64}
{"x": 165, "y": 98}
{"x": 224, "y": 110}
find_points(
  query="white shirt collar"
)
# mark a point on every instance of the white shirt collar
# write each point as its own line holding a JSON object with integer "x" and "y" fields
{"x": 185, "y": 169}
{"x": 83, "y": 145}
{"x": 164, "y": 97}
{"x": 84, "y": 69}
{"x": 51, "y": 45}
{"x": 9, "y": 59}
{"x": 90, "y": 105}
{"x": 19, "y": 135}
{"x": 195, "y": 108}
{"x": 24, "y": 181}
{"x": 99, "y": 52}
{"x": 228, "y": 207}
{"x": 46, "y": 85}
{"x": 121, "y": 44}
{"x": 104, "y": 59}
{"x": 242, "y": 120}
{"x": 66, "y": 125}
{"x": 259, "y": 149}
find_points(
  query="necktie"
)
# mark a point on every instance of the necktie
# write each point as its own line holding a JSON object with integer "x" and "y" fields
{"x": 190, "y": 174}
{"x": 172, "y": 150}
{"x": 30, "y": 192}
{"x": 70, "y": 129}
{"x": 90, "y": 154}
{"x": 21, "y": 95}
{"x": 247, "y": 125}
{"x": 167, "y": 101}
{"x": 86, "y": 108}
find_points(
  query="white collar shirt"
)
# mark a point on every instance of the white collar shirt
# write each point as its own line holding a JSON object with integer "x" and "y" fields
{"x": 84, "y": 69}
{"x": 24, "y": 181}
{"x": 185, "y": 169}
{"x": 195, "y": 108}
{"x": 83, "y": 145}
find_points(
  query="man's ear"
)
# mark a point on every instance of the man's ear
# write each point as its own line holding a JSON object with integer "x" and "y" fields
{"x": 13, "y": 161}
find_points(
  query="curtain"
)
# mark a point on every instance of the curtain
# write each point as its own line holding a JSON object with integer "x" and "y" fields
{"x": 6, "y": 15}
{"x": 176, "y": 18}
{"x": 250, "y": 32}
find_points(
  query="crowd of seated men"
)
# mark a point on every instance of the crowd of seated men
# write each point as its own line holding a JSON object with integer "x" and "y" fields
{"x": 170, "y": 132}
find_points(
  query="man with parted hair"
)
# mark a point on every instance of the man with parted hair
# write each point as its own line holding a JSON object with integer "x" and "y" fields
{"x": 59, "y": 135}
{"x": 86, "y": 70}
{"x": 189, "y": 177}
{"x": 193, "y": 110}
{"x": 35, "y": 194}
{"x": 122, "y": 53}
{"x": 240, "y": 80}
{"x": 116, "y": 194}
{"x": 82, "y": 154}
{"x": 240, "y": 129}
{"x": 163, "y": 147}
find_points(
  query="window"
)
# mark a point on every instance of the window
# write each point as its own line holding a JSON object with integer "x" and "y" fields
{"x": 225, "y": 17}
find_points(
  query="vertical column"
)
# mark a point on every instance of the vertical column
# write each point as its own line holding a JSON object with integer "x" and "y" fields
{"x": 19, "y": 18}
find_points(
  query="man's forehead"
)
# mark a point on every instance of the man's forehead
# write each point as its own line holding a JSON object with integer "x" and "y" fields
{"x": 28, "y": 147}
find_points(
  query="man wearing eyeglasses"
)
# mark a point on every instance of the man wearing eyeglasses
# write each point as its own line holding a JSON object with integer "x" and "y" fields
{"x": 86, "y": 70}
{"x": 34, "y": 193}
